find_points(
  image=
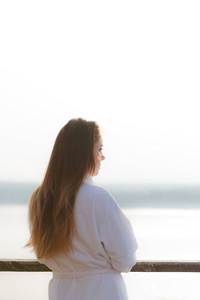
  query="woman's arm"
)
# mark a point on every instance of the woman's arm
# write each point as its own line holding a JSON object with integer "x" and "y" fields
{"x": 117, "y": 236}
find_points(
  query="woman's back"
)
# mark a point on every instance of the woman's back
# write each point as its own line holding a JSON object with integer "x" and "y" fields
{"x": 103, "y": 247}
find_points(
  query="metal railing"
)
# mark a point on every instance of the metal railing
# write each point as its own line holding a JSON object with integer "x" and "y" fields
{"x": 32, "y": 265}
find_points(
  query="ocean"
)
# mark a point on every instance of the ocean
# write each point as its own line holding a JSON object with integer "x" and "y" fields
{"x": 166, "y": 222}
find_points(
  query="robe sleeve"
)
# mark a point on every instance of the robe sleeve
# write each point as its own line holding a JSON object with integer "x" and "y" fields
{"x": 117, "y": 236}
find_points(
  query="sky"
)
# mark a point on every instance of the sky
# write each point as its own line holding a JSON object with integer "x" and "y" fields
{"x": 132, "y": 66}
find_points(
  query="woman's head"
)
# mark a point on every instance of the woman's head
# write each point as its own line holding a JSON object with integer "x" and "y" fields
{"x": 75, "y": 151}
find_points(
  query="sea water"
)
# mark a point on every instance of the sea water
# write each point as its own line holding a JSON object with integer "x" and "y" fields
{"x": 165, "y": 224}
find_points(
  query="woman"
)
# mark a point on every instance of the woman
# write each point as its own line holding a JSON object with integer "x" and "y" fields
{"x": 77, "y": 229}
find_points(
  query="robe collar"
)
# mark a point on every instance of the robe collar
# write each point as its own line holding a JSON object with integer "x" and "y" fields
{"x": 88, "y": 179}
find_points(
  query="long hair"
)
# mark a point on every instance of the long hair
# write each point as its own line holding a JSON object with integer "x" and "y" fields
{"x": 51, "y": 207}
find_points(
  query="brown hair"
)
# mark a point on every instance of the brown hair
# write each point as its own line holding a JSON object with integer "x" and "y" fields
{"x": 51, "y": 208}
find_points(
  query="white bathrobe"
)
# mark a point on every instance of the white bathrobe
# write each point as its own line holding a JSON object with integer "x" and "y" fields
{"x": 104, "y": 247}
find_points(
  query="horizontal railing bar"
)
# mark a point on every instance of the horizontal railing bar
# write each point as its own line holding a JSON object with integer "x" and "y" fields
{"x": 32, "y": 265}
{"x": 167, "y": 266}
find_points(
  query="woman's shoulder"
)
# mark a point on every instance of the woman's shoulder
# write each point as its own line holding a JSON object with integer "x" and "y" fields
{"x": 98, "y": 194}
{"x": 95, "y": 190}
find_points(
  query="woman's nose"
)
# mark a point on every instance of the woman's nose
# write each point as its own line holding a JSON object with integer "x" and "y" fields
{"x": 103, "y": 157}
